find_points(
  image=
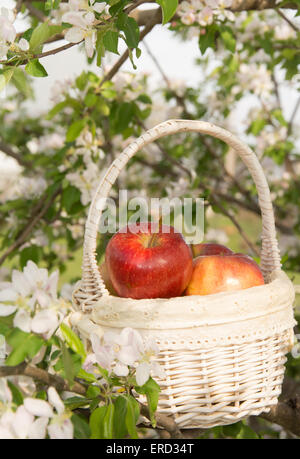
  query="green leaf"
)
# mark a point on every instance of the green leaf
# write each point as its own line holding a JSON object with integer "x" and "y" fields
{"x": 32, "y": 252}
{"x": 35, "y": 68}
{"x": 131, "y": 30}
{"x": 108, "y": 422}
{"x": 70, "y": 364}
{"x": 5, "y": 77}
{"x": 91, "y": 99}
{"x": 23, "y": 345}
{"x": 123, "y": 116}
{"x": 232, "y": 430}
{"x": 96, "y": 422}
{"x": 144, "y": 98}
{"x": 56, "y": 109}
{"x": 151, "y": 389}
{"x": 81, "y": 80}
{"x": 21, "y": 82}
{"x": 51, "y": 4}
{"x": 16, "y": 393}
{"x": 120, "y": 429}
{"x": 88, "y": 377}
{"x": 208, "y": 39}
{"x": 110, "y": 41}
{"x": 100, "y": 48}
{"x": 93, "y": 391}
{"x": 73, "y": 340}
{"x": 169, "y": 8}
{"x": 278, "y": 115}
{"x": 228, "y": 39}
{"x": 257, "y": 125}
{"x": 117, "y": 6}
{"x": 132, "y": 415}
{"x": 42, "y": 33}
{"x": 69, "y": 102}
{"x": 39, "y": 36}
{"x": 81, "y": 428}
{"x": 247, "y": 433}
{"x": 6, "y": 324}
{"x": 2, "y": 82}
{"x": 70, "y": 197}
{"x": 75, "y": 129}
{"x": 76, "y": 402}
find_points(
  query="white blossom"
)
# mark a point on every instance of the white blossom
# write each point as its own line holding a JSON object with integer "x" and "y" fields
{"x": 7, "y": 30}
{"x": 205, "y": 17}
{"x": 36, "y": 417}
{"x": 23, "y": 45}
{"x": 117, "y": 352}
{"x": 86, "y": 181}
{"x": 147, "y": 364}
{"x": 82, "y": 17}
{"x": 284, "y": 32}
{"x": 32, "y": 295}
{"x": 205, "y": 12}
{"x": 256, "y": 78}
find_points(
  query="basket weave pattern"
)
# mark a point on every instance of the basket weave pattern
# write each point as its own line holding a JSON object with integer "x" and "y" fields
{"x": 221, "y": 385}
{"x": 223, "y": 354}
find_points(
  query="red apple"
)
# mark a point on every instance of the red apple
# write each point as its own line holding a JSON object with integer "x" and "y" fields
{"x": 144, "y": 263}
{"x": 215, "y": 273}
{"x": 210, "y": 248}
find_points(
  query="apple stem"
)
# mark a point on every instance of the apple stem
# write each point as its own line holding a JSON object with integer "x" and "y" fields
{"x": 193, "y": 250}
{"x": 152, "y": 241}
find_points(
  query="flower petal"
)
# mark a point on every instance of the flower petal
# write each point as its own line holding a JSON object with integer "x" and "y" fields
{"x": 121, "y": 370}
{"x": 51, "y": 287}
{"x": 20, "y": 283}
{"x": 44, "y": 320}
{"x": 5, "y": 433}
{"x": 37, "y": 430}
{"x": 142, "y": 374}
{"x": 90, "y": 44}
{"x": 22, "y": 422}
{"x": 23, "y": 45}
{"x": 58, "y": 431}
{"x": 5, "y": 393}
{"x": 7, "y": 310}
{"x": 74, "y": 35}
{"x": 75, "y": 18}
{"x": 8, "y": 294}
{"x": 22, "y": 320}
{"x": 55, "y": 400}
{"x": 38, "y": 407}
{"x": 99, "y": 7}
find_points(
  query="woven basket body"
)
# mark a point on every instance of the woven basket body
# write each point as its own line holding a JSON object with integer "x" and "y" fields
{"x": 223, "y": 354}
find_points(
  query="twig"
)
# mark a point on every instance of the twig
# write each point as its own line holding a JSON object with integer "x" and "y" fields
{"x": 164, "y": 421}
{"x": 42, "y": 375}
{"x": 159, "y": 67}
{"x": 287, "y": 20}
{"x": 294, "y": 113}
{"x": 228, "y": 214}
{"x": 35, "y": 12}
{"x": 135, "y": 5}
{"x": 276, "y": 90}
{"x": 38, "y": 212}
{"x": 166, "y": 154}
{"x": 9, "y": 152}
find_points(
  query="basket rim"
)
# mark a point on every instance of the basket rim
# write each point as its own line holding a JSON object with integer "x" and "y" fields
{"x": 195, "y": 310}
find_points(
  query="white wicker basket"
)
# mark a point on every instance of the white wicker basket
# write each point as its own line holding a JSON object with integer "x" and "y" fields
{"x": 223, "y": 354}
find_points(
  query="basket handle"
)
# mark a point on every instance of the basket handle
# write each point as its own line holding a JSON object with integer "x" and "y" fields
{"x": 92, "y": 286}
